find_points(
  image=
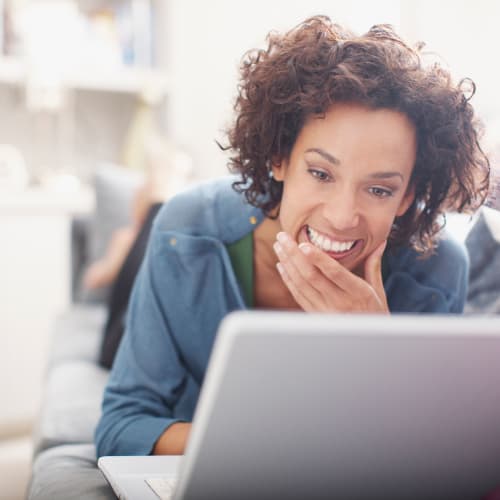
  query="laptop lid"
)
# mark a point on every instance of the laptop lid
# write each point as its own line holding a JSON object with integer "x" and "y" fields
{"x": 319, "y": 406}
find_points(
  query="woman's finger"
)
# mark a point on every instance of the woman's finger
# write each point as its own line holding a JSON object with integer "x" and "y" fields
{"x": 301, "y": 299}
{"x": 373, "y": 270}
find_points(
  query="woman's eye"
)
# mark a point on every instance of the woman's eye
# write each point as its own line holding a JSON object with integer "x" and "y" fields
{"x": 380, "y": 192}
{"x": 319, "y": 174}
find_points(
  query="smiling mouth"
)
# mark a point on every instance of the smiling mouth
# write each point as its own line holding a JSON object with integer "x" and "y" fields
{"x": 335, "y": 248}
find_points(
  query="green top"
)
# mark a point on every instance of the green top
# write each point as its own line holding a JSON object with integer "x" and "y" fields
{"x": 241, "y": 255}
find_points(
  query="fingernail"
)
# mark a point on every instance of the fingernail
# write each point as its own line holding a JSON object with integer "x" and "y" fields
{"x": 282, "y": 238}
{"x": 277, "y": 248}
{"x": 305, "y": 248}
{"x": 279, "y": 267}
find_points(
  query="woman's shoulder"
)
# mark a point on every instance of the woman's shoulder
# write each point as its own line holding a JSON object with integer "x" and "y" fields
{"x": 449, "y": 253}
{"x": 210, "y": 208}
{"x": 433, "y": 283}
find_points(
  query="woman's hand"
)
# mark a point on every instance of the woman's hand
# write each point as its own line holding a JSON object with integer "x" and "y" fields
{"x": 319, "y": 283}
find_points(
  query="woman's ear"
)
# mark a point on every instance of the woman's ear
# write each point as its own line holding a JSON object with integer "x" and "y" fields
{"x": 406, "y": 201}
{"x": 278, "y": 168}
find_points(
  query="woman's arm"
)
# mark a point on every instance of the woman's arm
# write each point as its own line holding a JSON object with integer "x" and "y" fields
{"x": 148, "y": 377}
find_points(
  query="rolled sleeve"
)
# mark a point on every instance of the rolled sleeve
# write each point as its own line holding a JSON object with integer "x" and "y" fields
{"x": 147, "y": 377}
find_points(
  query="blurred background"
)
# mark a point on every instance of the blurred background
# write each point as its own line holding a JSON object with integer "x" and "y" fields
{"x": 119, "y": 91}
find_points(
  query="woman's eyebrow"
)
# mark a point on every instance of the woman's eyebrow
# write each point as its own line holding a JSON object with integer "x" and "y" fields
{"x": 335, "y": 161}
{"x": 327, "y": 156}
{"x": 386, "y": 175}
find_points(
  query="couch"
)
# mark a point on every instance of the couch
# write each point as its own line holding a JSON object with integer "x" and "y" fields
{"x": 64, "y": 464}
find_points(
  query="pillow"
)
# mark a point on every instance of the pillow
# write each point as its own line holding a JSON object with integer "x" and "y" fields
{"x": 484, "y": 254}
{"x": 115, "y": 187}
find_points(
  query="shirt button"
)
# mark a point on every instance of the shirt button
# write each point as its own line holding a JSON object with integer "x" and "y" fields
{"x": 173, "y": 242}
{"x": 253, "y": 220}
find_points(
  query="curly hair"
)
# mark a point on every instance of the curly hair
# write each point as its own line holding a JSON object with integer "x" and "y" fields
{"x": 305, "y": 71}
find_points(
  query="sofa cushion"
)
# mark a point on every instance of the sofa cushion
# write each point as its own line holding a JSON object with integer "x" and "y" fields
{"x": 115, "y": 187}
{"x": 71, "y": 405}
{"x": 77, "y": 334}
{"x": 483, "y": 246}
{"x": 68, "y": 472}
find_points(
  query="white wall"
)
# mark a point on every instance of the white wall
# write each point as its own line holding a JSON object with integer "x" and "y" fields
{"x": 205, "y": 41}
{"x": 465, "y": 35}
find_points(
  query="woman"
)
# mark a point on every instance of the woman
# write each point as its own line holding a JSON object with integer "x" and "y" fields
{"x": 347, "y": 151}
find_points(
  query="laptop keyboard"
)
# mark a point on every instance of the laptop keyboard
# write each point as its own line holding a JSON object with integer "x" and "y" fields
{"x": 163, "y": 486}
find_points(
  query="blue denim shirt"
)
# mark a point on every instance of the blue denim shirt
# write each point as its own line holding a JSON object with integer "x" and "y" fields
{"x": 186, "y": 285}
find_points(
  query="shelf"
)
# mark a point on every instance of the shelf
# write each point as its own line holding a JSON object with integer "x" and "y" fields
{"x": 42, "y": 201}
{"x": 14, "y": 71}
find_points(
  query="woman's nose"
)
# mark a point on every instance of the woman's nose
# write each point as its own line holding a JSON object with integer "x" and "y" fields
{"x": 342, "y": 210}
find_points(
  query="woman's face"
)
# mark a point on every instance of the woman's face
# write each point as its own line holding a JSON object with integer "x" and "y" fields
{"x": 346, "y": 180}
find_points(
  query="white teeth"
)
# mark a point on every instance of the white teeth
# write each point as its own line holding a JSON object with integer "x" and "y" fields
{"x": 326, "y": 244}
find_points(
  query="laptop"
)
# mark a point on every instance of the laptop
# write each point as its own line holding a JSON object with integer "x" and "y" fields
{"x": 322, "y": 406}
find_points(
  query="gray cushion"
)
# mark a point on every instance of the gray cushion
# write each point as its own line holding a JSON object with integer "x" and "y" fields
{"x": 77, "y": 334}
{"x": 66, "y": 473}
{"x": 71, "y": 405}
{"x": 484, "y": 254}
{"x": 115, "y": 187}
